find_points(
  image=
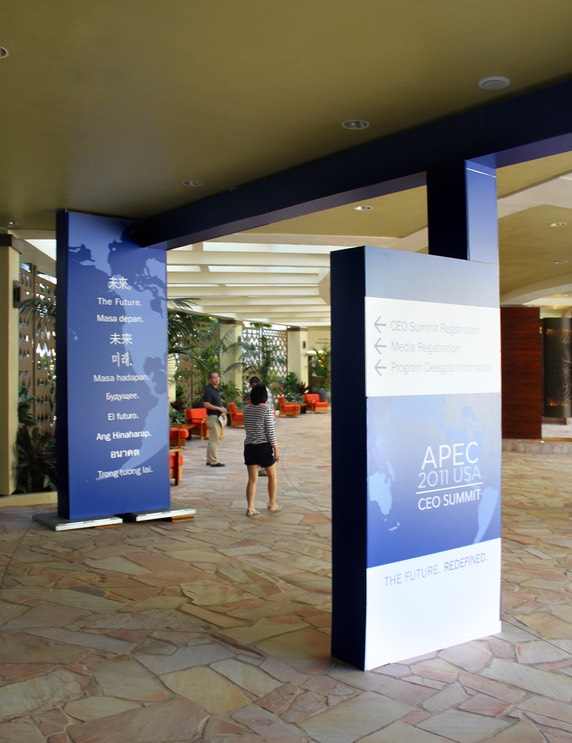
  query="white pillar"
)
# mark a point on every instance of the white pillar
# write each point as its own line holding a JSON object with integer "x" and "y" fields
{"x": 171, "y": 382}
{"x": 297, "y": 353}
{"x": 9, "y": 273}
{"x": 232, "y": 332}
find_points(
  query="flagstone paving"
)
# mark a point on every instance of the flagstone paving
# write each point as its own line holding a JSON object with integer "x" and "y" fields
{"x": 218, "y": 628}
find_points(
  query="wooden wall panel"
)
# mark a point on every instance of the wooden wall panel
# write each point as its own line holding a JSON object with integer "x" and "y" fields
{"x": 521, "y": 344}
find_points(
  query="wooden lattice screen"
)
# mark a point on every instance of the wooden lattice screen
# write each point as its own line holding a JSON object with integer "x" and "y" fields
{"x": 37, "y": 350}
{"x": 266, "y": 342}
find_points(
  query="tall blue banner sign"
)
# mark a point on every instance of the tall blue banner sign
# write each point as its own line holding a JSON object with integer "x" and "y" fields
{"x": 432, "y": 453}
{"x": 111, "y": 375}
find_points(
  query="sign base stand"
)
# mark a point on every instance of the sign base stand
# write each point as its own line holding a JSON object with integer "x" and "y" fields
{"x": 56, "y": 523}
{"x": 180, "y": 514}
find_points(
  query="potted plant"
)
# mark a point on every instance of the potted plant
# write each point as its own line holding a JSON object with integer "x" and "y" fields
{"x": 320, "y": 367}
{"x": 229, "y": 392}
{"x": 36, "y": 451}
{"x": 176, "y": 416}
{"x": 291, "y": 388}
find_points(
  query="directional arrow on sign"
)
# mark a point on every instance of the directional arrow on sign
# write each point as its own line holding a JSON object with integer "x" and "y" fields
{"x": 379, "y": 345}
{"x": 379, "y": 325}
{"x": 379, "y": 367}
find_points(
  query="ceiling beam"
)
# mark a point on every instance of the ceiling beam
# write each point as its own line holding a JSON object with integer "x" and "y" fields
{"x": 319, "y": 242}
{"x": 299, "y": 260}
{"x": 509, "y": 131}
{"x": 270, "y": 291}
{"x": 245, "y": 313}
{"x": 245, "y": 301}
{"x": 286, "y": 318}
{"x": 245, "y": 279}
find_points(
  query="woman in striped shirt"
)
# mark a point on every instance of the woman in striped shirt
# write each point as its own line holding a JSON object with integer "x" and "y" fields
{"x": 260, "y": 448}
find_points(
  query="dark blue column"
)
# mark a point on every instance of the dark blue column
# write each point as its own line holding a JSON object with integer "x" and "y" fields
{"x": 462, "y": 211}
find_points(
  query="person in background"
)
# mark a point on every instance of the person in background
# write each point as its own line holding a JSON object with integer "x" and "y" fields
{"x": 253, "y": 381}
{"x": 213, "y": 404}
{"x": 270, "y": 402}
{"x": 260, "y": 449}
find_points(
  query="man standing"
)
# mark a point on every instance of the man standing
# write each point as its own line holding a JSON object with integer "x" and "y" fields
{"x": 214, "y": 408}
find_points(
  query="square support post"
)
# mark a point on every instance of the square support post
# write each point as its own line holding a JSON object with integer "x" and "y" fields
{"x": 9, "y": 276}
{"x": 462, "y": 211}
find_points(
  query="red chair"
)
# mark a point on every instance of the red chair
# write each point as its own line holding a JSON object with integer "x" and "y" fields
{"x": 175, "y": 465}
{"x": 198, "y": 417}
{"x": 314, "y": 404}
{"x": 178, "y": 436}
{"x": 291, "y": 409}
{"x": 236, "y": 416}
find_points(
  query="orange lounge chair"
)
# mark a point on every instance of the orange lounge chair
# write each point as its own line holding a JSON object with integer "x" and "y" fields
{"x": 291, "y": 409}
{"x": 198, "y": 417}
{"x": 178, "y": 436}
{"x": 314, "y": 404}
{"x": 175, "y": 465}
{"x": 236, "y": 416}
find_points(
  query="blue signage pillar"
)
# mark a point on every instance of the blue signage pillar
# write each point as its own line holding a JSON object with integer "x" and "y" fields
{"x": 416, "y": 478}
{"x": 112, "y": 408}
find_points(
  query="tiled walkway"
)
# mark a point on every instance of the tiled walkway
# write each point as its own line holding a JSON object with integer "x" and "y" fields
{"x": 216, "y": 628}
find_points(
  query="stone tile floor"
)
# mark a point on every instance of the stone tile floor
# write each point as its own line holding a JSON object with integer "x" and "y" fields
{"x": 218, "y": 628}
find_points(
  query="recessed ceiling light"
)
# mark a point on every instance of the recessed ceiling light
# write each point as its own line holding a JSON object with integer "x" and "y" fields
{"x": 13, "y": 223}
{"x": 355, "y": 124}
{"x": 363, "y": 208}
{"x": 193, "y": 183}
{"x": 494, "y": 82}
{"x": 558, "y": 224}
{"x": 559, "y": 262}
{"x": 4, "y": 52}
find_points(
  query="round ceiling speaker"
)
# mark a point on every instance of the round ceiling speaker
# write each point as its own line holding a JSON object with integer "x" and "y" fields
{"x": 495, "y": 82}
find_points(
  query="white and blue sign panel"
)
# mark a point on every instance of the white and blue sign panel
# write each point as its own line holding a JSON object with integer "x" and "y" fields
{"x": 433, "y": 453}
{"x": 433, "y": 457}
{"x": 112, "y": 373}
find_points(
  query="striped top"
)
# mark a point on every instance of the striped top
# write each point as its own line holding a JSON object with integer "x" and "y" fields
{"x": 259, "y": 424}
